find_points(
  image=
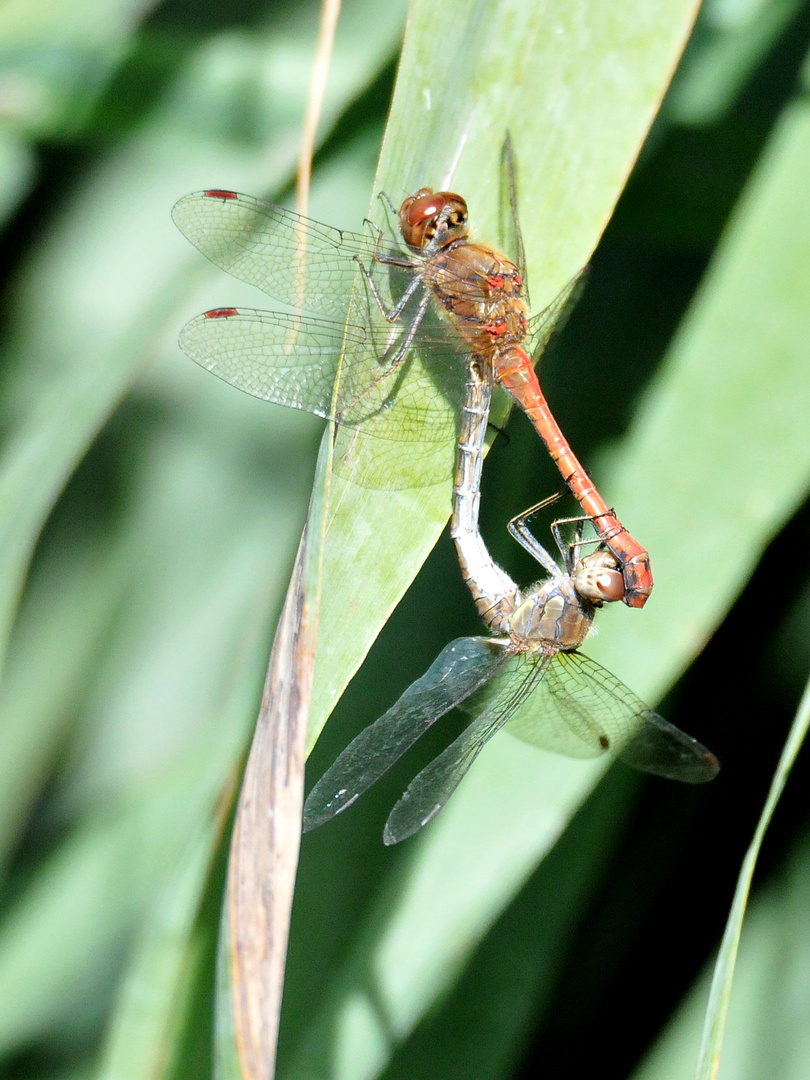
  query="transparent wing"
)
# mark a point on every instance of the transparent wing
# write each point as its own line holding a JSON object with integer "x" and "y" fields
{"x": 429, "y": 791}
{"x": 581, "y": 710}
{"x": 296, "y": 361}
{"x": 344, "y": 372}
{"x": 295, "y": 259}
{"x": 348, "y": 373}
{"x": 510, "y": 232}
{"x": 568, "y": 704}
{"x": 274, "y": 356}
{"x": 549, "y": 322}
{"x": 460, "y": 669}
{"x": 262, "y": 244}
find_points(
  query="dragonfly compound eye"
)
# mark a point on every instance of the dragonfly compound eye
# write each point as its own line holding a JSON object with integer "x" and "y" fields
{"x": 427, "y": 213}
{"x": 599, "y": 585}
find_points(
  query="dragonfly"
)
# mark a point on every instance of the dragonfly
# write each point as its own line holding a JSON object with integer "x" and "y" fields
{"x": 495, "y": 594}
{"x": 530, "y": 676}
{"x": 532, "y": 679}
{"x": 442, "y": 298}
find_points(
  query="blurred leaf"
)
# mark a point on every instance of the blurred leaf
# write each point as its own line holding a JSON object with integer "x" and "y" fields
{"x": 735, "y": 36}
{"x": 738, "y": 377}
{"x": 77, "y": 340}
{"x": 16, "y": 171}
{"x": 509, "y": 983}
{"x": 162, "y": 1024}
{"x": 712, "y": 1046}
{"x": 716, "y": 460}
{"x": 163, "y": 726}
{"x": 56, "y": 59}
{"x": 449, "y": 885}
{"x": 767, "y": 1018}
{"x": 60, "y": 943}
{"x": 130, "y": 663}
{"x": 67, "y": 610}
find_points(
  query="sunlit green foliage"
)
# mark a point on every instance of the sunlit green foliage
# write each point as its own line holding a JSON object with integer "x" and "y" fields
{"x": 149, "y": 517}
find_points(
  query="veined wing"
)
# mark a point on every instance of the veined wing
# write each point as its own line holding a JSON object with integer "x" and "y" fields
{"x": 302, "y": 262}
{"x": 549, "y": 322}
{"x": 429, "y": 791}
{"x": 344, "y": 372}
{"x": 510, "y": 232}
{"x": 295, "y": 361}
{"x": 459, "y": 670}
{"x": 581, "y": 710}
{"x": 274, "y": 356}
{"x": 262, "y": 244}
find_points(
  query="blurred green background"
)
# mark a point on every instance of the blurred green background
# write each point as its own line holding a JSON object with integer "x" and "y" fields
{"x": 149, "y": 517}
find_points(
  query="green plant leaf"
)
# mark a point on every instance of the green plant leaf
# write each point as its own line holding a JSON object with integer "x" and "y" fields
{"x": 716, "y": 460}
{"x": 550, "y": 75}
{"x": 712, "y": 1048}
{"x": 584, "y": 133}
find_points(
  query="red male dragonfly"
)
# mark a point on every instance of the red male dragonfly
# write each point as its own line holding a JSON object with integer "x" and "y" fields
{"x": 352, "y": 372}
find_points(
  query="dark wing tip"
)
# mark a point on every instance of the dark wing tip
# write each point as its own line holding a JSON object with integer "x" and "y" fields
{"x": 693, "y": 763}
{"x": 660, "y": 748}
{"x": 708, "y": 769}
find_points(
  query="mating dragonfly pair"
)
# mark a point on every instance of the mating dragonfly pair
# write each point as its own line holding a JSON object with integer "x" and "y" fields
{"x": 438, "y": 295}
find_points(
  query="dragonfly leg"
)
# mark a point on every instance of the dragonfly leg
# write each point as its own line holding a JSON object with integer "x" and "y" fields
{"x": 395, "y": 313}
{"x": 384, "y": 197}
{"x": 389, "y": 209}
{"x": 571, "y": 552}
{"x": 391, "y": 314}
{"x": 399, "y": 355}
{"x": 595, "y": 577}
{"x": 519, "y": 529}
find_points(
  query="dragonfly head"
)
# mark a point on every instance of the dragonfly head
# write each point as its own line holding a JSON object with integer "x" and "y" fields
{"x": 430, "y": 220}
{"x": 597, "y": 578}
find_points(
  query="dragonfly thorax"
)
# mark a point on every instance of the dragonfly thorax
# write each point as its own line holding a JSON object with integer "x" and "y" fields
{"x": 554, "y": 618}
{"x": 482, "y": 293}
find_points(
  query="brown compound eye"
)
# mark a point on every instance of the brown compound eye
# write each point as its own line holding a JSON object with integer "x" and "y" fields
{"x": 597, "y": 579}
{"x": 424, "y": 206}
{"x": 610, "y": 584}
{"x": 421, "y": 215}
{"x": 417, "y": 216}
